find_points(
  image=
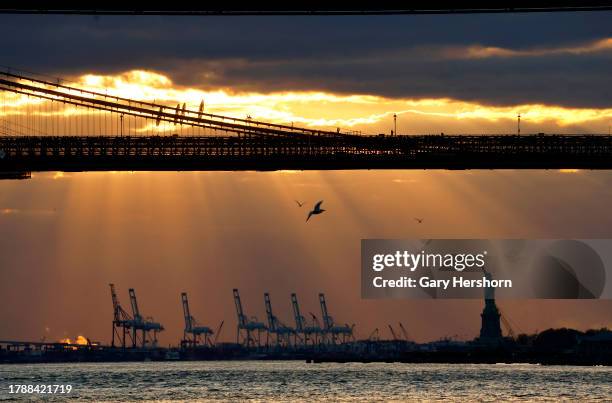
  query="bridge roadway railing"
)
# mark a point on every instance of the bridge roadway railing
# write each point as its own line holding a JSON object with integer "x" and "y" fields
{"x": 45, "y": 147}
{"x": 32, "y": 147}
{"x": 539, "y": 144}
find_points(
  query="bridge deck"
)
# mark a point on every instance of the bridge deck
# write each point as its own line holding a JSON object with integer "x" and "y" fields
{"x": 84, "y": 153}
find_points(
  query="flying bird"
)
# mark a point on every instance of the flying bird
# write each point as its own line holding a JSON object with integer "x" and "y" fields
{"x": 419, "y": 220}
{"x": 300, "y": 204}
{"x": 316, "y": 210}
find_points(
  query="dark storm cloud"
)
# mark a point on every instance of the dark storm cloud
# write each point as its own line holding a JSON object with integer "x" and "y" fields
{"x": 552, "y": 80}
{"x": 392, "y": 56}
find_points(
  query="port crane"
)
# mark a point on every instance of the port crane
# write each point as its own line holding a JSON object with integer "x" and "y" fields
{"x": 248, "y": 330}
{"x": 282, "y": 333}
{"x": 122, "y": 321}
{"x": 393, "y": 333}
{"x": 310, "y": 332}
{"x": 193, "y": 334}
{"x": 319, "y": 334}
{"x": 299, "y": 319}
{"x": 335, "y": 333}
{"x": 404, "y": 332}
{"x": 218, "y": 332}
{"x": 148, "y": 328}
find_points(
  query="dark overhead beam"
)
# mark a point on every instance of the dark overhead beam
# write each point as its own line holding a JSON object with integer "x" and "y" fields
{"x": 305, "y": 8}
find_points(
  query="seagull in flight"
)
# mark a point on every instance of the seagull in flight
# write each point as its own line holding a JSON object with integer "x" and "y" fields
{"x": 316, "y": 210}
{"x": 300, "y": 204}
{"x": 419, "y": 220}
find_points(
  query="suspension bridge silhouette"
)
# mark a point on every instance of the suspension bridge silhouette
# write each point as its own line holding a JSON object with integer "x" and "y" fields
{"x": 59, "y": 126}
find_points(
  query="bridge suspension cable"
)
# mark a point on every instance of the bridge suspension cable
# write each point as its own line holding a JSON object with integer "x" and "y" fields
{"x": 149, "y": 113}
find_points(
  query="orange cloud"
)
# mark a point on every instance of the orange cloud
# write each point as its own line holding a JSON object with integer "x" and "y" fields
{"x": 481, "y": 52}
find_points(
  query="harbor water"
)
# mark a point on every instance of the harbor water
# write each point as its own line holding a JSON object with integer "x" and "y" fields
{"x": 299, "y": 381}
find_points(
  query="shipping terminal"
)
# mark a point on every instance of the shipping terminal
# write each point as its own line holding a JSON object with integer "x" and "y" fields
{"x": 314, "y": 339}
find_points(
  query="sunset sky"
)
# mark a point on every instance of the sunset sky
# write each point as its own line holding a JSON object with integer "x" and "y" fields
{"x": 448, "y": 73}
{"x": 65, "y": 236}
